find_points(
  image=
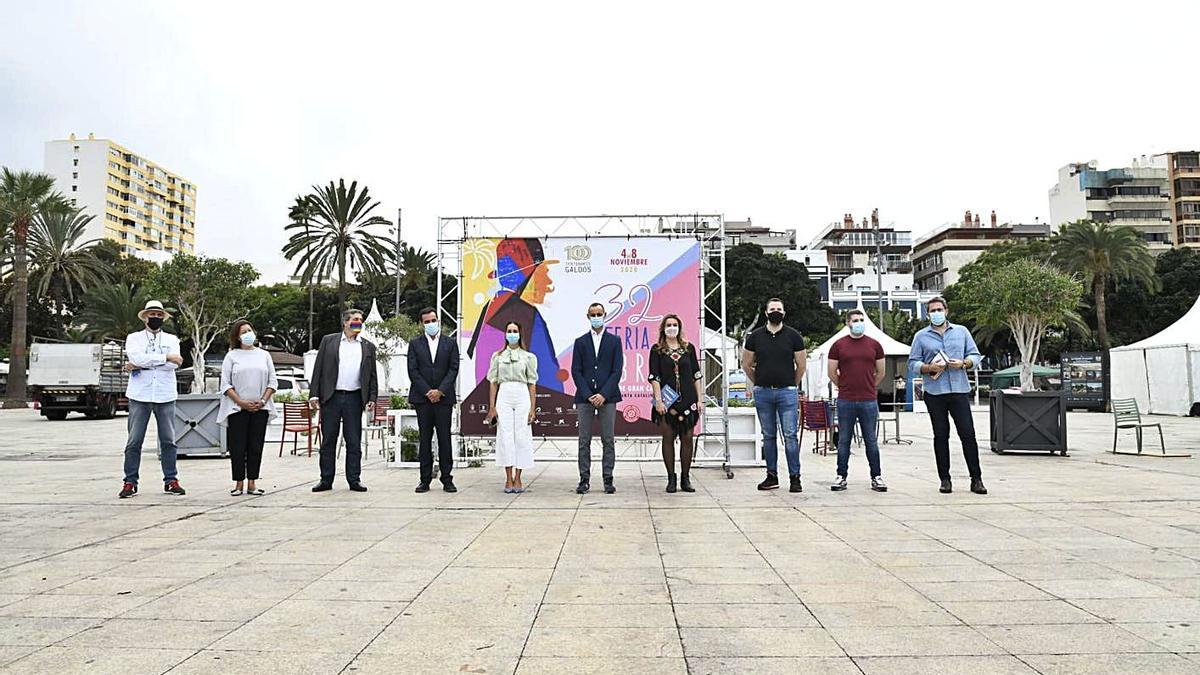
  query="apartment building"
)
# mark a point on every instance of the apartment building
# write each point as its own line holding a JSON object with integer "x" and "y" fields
{"x": 1137, "y": 195}
{"x": 1183, "y": 176}
{"x": 147, "y": 209}
{"x": 940, "y": 255}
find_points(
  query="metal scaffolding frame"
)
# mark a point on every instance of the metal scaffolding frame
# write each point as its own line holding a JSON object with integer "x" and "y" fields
{"x": 712, "y": 443}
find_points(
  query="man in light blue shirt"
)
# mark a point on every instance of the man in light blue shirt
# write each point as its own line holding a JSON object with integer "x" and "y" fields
{"x": 942, "y": 353}
{"x": 153, "y": 356}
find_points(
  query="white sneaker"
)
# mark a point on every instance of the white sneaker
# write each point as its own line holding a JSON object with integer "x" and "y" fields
{"x": 878, "y": 485}
{"x": 839, "y": 484}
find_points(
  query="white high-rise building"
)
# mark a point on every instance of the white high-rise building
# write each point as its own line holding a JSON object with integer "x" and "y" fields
{"x": 137, "y": 203}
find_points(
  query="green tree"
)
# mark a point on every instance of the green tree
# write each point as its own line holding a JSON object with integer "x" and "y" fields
{"x": 338, "y": 236}
{"x": 753, "y": 277}
{"x": 281, "y": 316}
{"x": 111, "y": 311}
{"x": 208, "y": 294}
{"x": 125, "y": 269}
{"x": 24, "y": 195}
{"x": 1100, "y": 253}
{"x": 1027, "y": 297}
{"x": 1136, "y": 312}
{"x": 898, "y": 324}
{"x": 390, "y": 336}
{"x": 63, "y": 265}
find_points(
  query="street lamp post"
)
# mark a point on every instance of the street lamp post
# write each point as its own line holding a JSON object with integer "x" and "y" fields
{"x": 399, "y": 214}
{"x": 878, "y": 270}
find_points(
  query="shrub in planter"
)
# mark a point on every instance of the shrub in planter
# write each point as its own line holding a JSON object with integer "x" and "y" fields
{"x": 409, "y": 439}
{"x": 399, "y": 402}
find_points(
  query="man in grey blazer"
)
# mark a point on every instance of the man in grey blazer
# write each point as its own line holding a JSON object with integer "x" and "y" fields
{"x": 343, "y": 384}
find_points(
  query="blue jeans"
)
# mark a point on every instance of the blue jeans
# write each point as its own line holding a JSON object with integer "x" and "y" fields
{"x": 139, "y": 418}
{"x": 866, "y": 413}
{"x": 779, "y": 408}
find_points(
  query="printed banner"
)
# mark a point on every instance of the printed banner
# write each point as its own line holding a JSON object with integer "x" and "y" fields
{"x": 546, "y": 285}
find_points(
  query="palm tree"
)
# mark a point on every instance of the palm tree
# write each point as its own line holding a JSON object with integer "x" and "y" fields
{"x": 1099, "y": 253}
{"x": 111, "y": 311}
{"x": 337, "y": 236}
{"x": 416, "y": 265}
{"x": 302, "y": 213}
{"x": 60, "y": 261}
{"x": 24, "y": 195}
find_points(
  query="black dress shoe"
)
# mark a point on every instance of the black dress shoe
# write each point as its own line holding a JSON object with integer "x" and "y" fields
{"x": 977, "y": 486}
{"x": 422, "y": 487}
{"x": 609, "y": 488}
{"x": 358, "y": 487}
{"x": 671, "y": 483}
{"x": 448, "y": 485}
{"x": 582, "y": 488}
{"x": 322, "y": 487}
{"x": 946, "y": 488}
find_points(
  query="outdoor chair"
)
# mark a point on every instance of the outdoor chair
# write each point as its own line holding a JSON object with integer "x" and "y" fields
{"x": 298, "y": 419}
{"x": 377, "y": 423}
{"x": 815, "y": 417}
{"x": 1127, "y": 416}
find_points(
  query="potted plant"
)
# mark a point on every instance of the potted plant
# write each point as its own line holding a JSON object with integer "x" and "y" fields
{"x": 409, "y": 438}
{"x": 1027, "y": 297}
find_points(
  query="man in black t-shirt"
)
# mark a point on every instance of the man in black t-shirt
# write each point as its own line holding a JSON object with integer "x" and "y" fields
{"x": 774, "y": 360}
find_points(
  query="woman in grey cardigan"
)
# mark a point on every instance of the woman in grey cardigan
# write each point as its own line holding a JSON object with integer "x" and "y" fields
{"x": 248, "y": 383}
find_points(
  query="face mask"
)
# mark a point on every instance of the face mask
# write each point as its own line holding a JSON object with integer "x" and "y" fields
{"x": 672, "y": 331}
{"x": 513, "y": 338}
{"x": 356, "y": 327}
{"x": 596, "y": 321}
{"x": 155, "y": 322}
{"x": 937, "y": 318}
{"x": 248, "y": 338}
{"x": 858, "y": 328}
{"x": 432, "y": 328}
{"x": 775, "y": 317}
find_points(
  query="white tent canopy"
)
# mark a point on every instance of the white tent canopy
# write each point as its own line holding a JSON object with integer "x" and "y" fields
{"x": 816, "y": 377}
{"x": 1162, "y": 372}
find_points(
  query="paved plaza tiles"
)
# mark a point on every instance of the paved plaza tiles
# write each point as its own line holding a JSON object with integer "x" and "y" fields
{"x": 1083, "y": 564}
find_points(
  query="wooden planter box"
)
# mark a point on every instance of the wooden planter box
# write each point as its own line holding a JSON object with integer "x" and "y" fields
{"x": 1034, "y": 421}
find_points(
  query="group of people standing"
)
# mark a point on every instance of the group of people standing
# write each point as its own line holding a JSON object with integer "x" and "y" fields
{"x": 344, "y": 384}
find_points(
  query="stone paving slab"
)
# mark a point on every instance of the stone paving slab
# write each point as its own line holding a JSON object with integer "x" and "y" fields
{"x": 1084, "y": 564}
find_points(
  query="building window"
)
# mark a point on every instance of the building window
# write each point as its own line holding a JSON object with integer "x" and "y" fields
{"x": 76, "y": 161}
{"x": 75, "y": 175}
{"x": 77, "y": 148}
{"x": 74, "y": 188}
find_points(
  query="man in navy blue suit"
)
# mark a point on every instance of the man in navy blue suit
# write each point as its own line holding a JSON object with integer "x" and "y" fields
{"x": 596, "y": 366}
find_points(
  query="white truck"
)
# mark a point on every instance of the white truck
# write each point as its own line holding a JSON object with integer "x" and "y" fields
{"x": 86, "y": 378}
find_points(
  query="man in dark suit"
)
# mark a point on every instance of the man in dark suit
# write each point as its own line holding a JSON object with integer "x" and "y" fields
{"x": 596, "y": 365}
{"x": 343, "y": 384}
{"x": 433, "y": 371}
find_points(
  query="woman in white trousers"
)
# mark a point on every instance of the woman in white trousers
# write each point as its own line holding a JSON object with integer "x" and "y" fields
{"x": 512, "y": 405}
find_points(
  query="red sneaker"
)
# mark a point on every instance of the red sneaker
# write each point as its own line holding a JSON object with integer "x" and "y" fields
{"x": 173, "y": 487}
{"x": 127, "y": 490}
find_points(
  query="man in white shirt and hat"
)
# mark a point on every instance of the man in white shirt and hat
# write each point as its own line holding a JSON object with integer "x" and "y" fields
{"x": 153, "y": 356}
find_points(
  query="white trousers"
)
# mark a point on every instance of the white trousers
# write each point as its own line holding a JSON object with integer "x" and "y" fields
{"x": 514, "y": 436}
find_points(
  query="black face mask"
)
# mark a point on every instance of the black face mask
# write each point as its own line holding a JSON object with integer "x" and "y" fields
{"x": 775, "y": 317}
{"x": 155, "y": 322}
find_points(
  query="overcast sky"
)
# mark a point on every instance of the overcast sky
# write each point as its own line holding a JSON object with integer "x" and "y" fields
{"x": 787, "y": 113}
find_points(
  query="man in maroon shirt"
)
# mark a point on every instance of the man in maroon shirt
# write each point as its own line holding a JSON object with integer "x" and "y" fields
{"x": 857, "y": 365}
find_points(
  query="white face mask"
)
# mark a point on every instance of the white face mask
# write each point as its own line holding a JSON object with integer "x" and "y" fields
{"x": 672, "y": 331}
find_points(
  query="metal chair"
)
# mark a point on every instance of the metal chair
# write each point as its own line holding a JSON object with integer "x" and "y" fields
{"x": 377, "y": 423}
{"x": 1127, "y": 416}
{"x": 298, "y": 419}
{"x": 815, "y": 417}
